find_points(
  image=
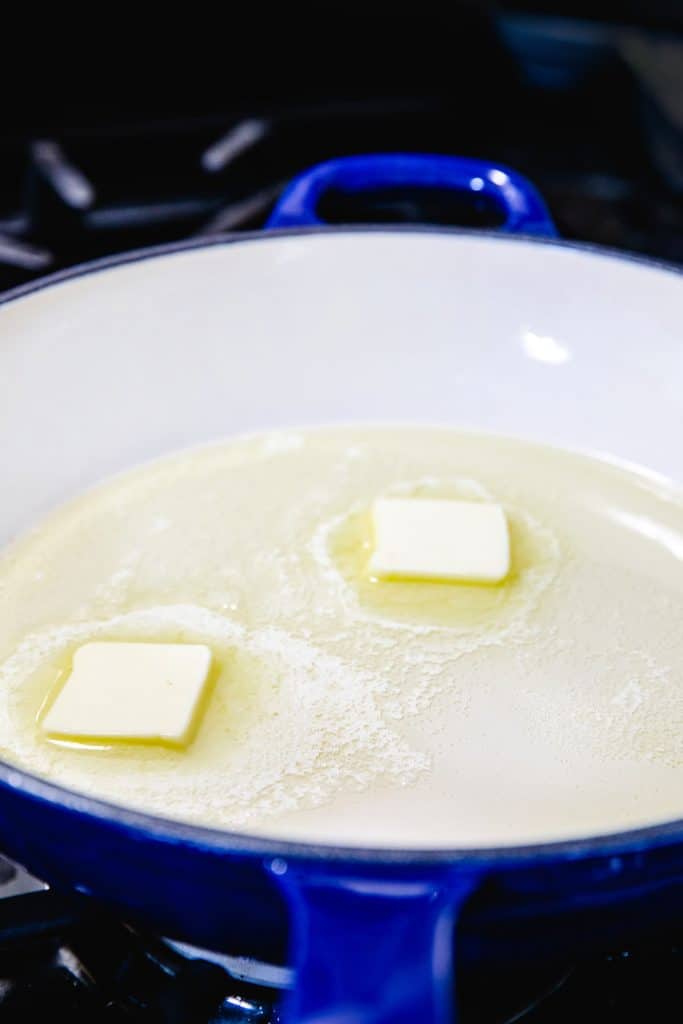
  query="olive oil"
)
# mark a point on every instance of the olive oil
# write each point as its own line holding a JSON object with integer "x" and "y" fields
{"x": 346, "y": 709}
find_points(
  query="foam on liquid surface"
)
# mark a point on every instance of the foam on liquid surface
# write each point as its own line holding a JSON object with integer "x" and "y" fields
{"x": 349, "y": 710}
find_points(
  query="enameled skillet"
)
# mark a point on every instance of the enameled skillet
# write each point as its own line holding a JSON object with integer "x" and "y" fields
{"x": 119, "y": 361}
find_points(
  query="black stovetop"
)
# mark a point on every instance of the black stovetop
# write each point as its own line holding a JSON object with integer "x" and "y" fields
{"x": 61, "y": 958}
{"x": 592, "y": 112}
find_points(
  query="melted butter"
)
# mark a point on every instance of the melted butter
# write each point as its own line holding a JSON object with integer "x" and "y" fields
{"x": 235, "y": 695}
{"x": 347, "y": 709}
{"x": 459, "y": 605}
{"x": 61, "y": 669}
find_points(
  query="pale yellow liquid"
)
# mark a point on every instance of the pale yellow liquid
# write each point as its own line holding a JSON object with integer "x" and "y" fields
{"x": 347, "y": 710}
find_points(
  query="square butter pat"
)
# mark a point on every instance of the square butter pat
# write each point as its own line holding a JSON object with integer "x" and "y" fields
{"x": 420, "y": 538}
{"x": 131, "y": 691}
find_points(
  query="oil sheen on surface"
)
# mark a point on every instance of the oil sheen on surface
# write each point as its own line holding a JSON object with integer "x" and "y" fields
{"x": 349, "y": 710}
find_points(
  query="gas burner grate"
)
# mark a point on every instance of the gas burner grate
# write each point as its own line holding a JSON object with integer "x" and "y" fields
{"x": 590, "y": 112}
{"x": 63, "y": 957}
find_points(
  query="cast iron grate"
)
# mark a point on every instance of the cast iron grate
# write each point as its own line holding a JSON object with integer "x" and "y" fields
{"x": 64, "y": 958}
{"x": 591, "y": 112}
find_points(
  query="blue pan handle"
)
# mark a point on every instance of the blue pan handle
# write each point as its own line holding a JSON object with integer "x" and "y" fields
{"x": 371, "y": 948}
{"x": 521, "y": 205}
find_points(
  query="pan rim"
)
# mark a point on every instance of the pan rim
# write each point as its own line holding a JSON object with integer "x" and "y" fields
{"x": 250, "y": 237}
{"x": 155, "y": 827}
{"x": 145, "y": 825}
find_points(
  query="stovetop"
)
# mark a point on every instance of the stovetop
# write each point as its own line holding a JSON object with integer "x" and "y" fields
{"x": 63, "y": 958}
{"x": 592, "y": 112}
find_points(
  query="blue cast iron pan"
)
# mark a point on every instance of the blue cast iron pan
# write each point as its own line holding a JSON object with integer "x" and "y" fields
{"x": 371, "y": 933}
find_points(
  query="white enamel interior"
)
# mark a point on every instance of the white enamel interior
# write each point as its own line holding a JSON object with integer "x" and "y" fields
{"x": 124, "y": 364}
{"x": 121, "y": 365}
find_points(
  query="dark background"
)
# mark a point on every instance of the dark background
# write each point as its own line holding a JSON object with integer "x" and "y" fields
{"x": 116, "y": 137}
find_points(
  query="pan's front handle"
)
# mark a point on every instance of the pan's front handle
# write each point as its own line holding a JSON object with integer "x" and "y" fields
{"x": 521, "y": 206}
{"x": 371, "y": 950}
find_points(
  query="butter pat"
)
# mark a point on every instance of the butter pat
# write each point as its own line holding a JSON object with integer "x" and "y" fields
{"x": 131, "y": 691}
{"x": 420, "y": 538}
